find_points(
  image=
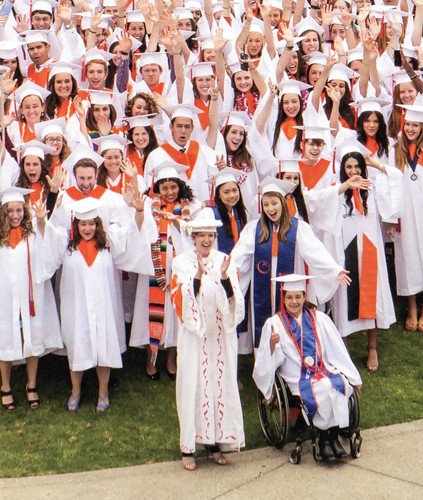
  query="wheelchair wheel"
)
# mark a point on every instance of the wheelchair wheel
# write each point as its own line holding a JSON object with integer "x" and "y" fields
{"x": 354, "y": 416}
{"x": 274, "y": 416}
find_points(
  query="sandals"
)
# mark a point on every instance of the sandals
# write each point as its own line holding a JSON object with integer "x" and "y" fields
{"x": 218, "y": 457}
{"x": 188, "y": 461}
{"x": 412, "y": 323}
{"x": 7, "y": 406}
{"x": 372, "y": 364}
{"x": 420, "y": 324}
{"x": 33, "y": 403}
{"x": 73, "y": 402}
{"x": 102, "y": 405}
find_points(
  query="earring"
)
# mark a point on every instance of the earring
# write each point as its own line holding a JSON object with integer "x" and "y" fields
{"x": 22, "y": 118}
{"x": 42, "y": 114}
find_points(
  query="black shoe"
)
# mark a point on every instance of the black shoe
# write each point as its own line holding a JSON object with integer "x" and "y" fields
{"x": 171, "y": 375}
{"x": 338, "y": 449}
{"x": 154, "y": 376}
{"x": 326, "y": 452}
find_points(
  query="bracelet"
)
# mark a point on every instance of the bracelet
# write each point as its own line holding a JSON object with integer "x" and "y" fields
{"x": 68, "y": 26}
{"x": 247, "y": 24}
{"x": 413, "y": 77}
{"x": 347, "y": 27}
{"x": 341, "y": 54}
{"x": 124, "y": 53}
{"x": 91, "y": 31}
{"x": 120, "y": 17}
{"x": 177, "y": 53}
{"x": 291, "y": 47}
{"x": 139, "y": 211}
{"x": 215, "y": 99}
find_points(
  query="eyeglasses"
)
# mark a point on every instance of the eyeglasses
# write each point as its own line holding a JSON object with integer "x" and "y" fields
{"x": 52, "y": 140}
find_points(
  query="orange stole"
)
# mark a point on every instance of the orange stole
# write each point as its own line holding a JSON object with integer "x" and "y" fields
{"x": 158, "y": 88}
{"x": 136, "y": 159}
{"x": 26, "y": 133}
{"x": 77, "y": 195}
{"x": 15, "y": 236}
{"x": 176, "y": 296}
{"x": 234, "y": 228}
{"x": 38, "y": 77}
{"x": 287, "y": 128}
{"x": 368, "y": 281}
{"x": 189, "y": 158}
{"x": 412, "y": 150}
{"x": 372, "y": 145}
{"x": 357, "y": 201}
{"x": 292, "y": 207}
{"x": 204, "y": 116}
{"x": 36, "y": 194}
{"x": 313, "y": 173}
{"x": 88, "y": 251}
{"x": 62, "y": 109}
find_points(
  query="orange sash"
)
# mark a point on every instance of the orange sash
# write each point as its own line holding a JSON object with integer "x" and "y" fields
{"x": 26, "y": 133}
{"x": 368, "y": 281}
{"x": 204, "y": 116}
{"x": 313, "y": 173}
{"x": 158, "y": 88}
{"x": 77, "y": 195}
{"x": 412, "y": 150}
{"x": 234, "y": 227}
{"x": 287, "y": 128}
{"x": 189, "y": 158}
{"x": 136, "y": 159}
{"x": 62, "y": 109}
{"x": 35, "y": 195}
{"x": 292, "y": 207}
{"x": 38, "y": 77}
{"x": 372, "y": 145}
{"x": 357, "y": 201}
{"x": 88, "y": 251}
{"x": 15, "y": 236}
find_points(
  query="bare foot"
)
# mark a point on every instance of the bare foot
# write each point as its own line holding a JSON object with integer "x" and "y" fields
{"x": 372, "y": 360}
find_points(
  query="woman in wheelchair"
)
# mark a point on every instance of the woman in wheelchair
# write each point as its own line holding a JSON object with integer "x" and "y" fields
{"x": 305, "y": 348}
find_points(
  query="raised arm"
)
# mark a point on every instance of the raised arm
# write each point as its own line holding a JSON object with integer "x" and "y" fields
{"x": 262, "y": 118}
{"x": 321, "y": 82}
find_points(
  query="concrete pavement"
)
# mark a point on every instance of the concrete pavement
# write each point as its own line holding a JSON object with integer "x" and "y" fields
{"x": 390, "y": 466}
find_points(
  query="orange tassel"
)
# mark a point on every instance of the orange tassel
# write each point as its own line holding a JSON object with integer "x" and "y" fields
{"x": 333, "y": 161}
{"x": 71, "y": 230}
{"x": 259, "y": 207}
{"x": 212, "y": 202}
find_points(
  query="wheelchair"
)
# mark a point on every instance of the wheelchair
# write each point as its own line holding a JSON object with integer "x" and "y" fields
{"x": 275, "y": 420}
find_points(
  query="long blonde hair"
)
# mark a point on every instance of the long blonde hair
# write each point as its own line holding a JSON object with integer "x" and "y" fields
{"x": 402, "y": 149}
{"x": 284, "y": 222}
{"x": 5, "y": 227}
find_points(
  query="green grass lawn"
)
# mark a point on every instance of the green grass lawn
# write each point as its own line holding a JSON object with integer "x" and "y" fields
{"x": 142, "y": 425}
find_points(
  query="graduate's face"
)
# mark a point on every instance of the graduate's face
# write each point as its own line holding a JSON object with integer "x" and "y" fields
{"x": 407, "y": 93}
{"x": 85, "y": 179}
{"x": 41, "y": 21}
{"x": 38, "y": 52}
{"x": 140, "y": 107}
{"x": 32, "y": 108}
{"x": 272, "y": 207}
{"x": 203, "y": 83}
{"x": 203, "y": 243}
{"x": 169, "y": 191}
{"x": 293, "y": 64}
{"x": 11, "y": 63}
{"x": 140, "y": 137}
{"x": 412, "y": 130}
{"x": 229, "y": 194}
{"x": 184, "y": 24}
{"x": 313, "y": 149}
{"x": 87, "y": 229}
{"x": 112, "y": 161}
{"x": 243, "y": 81}
{"x": 294, "y": 302}
{"x": 15, "y": 213}
{"x": 32, "y": 168}
{"x": 310, "y": 43}
{"x": 371, "y": 125}
{"x": 181, "y": 129}
{"x": 101, "y": 111}
{"x": 293, "y": 177}
{"x": 352, "y": 168}
{"x": 63, "y": 85}
{"x": 337, "y": 30}
{"x": 255, "y": 44}
{"x": 209, "y": 55}
{"x": 314, "y": 73}
{"x": 356, "y": 66}
{"x": 291, "y": 105}
{"x": 339, "y": 85}
{"x": 55, "y": 141}
{"x": 234, "y": 138}
{"x": 151, "y": 74}
{"x": 275, "y": 16}
{"x": 96, "y": 74}
{"x": 137, "y": 30}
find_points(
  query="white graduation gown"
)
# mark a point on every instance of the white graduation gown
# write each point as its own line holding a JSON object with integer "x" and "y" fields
{"x": 332, "y": 405}
{"x": 209, "y": 407}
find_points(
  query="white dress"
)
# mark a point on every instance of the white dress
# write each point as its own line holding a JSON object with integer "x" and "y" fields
{"x": 209, "y": 407}
{"x": 332, "y": 405}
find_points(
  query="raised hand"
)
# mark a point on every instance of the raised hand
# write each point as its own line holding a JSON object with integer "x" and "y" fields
{"x": 125, "y": 42}
{"x": 22, "y": 23}
{"x": 218, "y": 40}
{"x": 220, "y": 162}
{"x": 64, "y": 12}
{"x": 58, "y": 179}
{"x": 224, "y": 267}
{"x": 201, "y": 270}
{"x": 9, "y": 82}
{"x": 40, "y": 210}
{"x": 104, "y": 125}
{"x": 129, "y": 169}
{"x": 357, "y": 182}
{"x": 139, "y": 202}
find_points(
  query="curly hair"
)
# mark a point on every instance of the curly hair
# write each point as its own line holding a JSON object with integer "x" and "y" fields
{"x": 266, "y": 223}
{"x": 53, "y": 101}
{"x": 152, "y": 106}
{"x": 223, "y": 211}
{"x": 185, "y": 192}
{"x": 344, "y": 177}
{"x": 241, "y": 156}
{"x": 282, "y": 116}
{"x": 100, "y": 236}
{"x": 5, "y": 227}
{"x": 381, "y": 137}
{"x": 24, "y": 182}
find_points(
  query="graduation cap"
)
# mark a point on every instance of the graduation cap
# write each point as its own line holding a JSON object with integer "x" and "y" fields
{"x": 14, "y": 193}
{"x": 86, "y": 209}
{"x": 352, "y": 146}
{"x": 308, "y": 24}
{"x": 101, "y": 97}
{"x": 316, "y": 58}
{"x": 227, "y": 174}
{"x": 314, "y": 131}
{"x": 356, "y": 54}
{"x": 237, "y": 118}
{"x": 168, "y": 170}
{"x": 43, "y": 6}
{"x": 34, "y": 148}
{"x": 63, "y": 67}
{"x": 111, "y": 141}
{"x": 26, "y": 89}
{"x": 183, "y": 111}
{"x": 182, "y": 13}
{"x": 202, "y": 69}
{"x": 56, "y": 126}
{"x": 414, "y": 113}
{"x": 204, "y": 222}
{"x": 135, "y": 16}
{"x": 370, "y": 104}
{"x": 82, "y": 152}
{"x": 151, "y": 58}
{"x": 293, "y": 87}
{"x": 33, "y": 36}
{"x": 143, "y": 120}
{"x": 9, "y": 49}
{"x": 97, "y": 55}
{"x": 342, "y": 72}
{"x": 293, "y": 282}
{"x": 274, "y": 185}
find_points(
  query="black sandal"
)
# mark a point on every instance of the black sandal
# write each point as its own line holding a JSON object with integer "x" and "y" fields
{"x": 35, "y": 403}
{"x": 7, "y": 406}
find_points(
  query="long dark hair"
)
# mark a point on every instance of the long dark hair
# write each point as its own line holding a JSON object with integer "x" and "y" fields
{"x": 282, "y": 116}
{"x": 297, "y": 194}
{"x": 302, "y": 65}
{"x": 53, "y": 101}
{"x": 381, "y": 137}
{"x": 185, "y": 192}
{"x": 92, "y": 124}
{"x": 18, "y": 73}
{"x": 100, "y": 235}
{"x": 112, "y": 68}
{"x": 344, "y": 177}
{"x": 152, "y": 141}
{"x": 24, "y": 182}
{"x": 223, "y": 211}
{"x": 241, "y": 155}
{"x": 345, "y": 110}
{"x": 102, "y": 172}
